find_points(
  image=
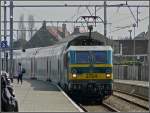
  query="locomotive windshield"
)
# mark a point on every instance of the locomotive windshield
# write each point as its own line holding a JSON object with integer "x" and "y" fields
{"x": 100, "y": 57}
{"x": 86, "y": 57}
{"x": 82, "y": 57}
{"x": 97, "y": 57}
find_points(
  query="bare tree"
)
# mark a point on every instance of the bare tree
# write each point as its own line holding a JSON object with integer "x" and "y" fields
{"x": 31, "y": 25}
{"x": 22, "y": 32}
{"x": 21, "y": 26}
{"x": 23, "y": 41}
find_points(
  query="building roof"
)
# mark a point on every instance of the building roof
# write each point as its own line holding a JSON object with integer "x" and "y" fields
{"x": 57, "y": 32}
{"x": 46, "y": 36}
{"x": 141, "y": 36}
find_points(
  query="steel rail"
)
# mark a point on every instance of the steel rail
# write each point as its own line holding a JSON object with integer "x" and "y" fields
{"x": 105, "y": 105}
{"x": 110, "y": 107}
{"x": 132, "y": 102}
{"x": 137, "y": 96}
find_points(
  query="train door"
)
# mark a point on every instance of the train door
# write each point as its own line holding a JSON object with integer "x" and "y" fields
{"x": 65, "y": 58}
{"x": 35, "y": 68}
{"x": 32, "y": 67}
{"x": 59, "y": 71}
{"x": 62, "y": 70}
{"x": 33, "y": 64}
{"x": 47, "y": 69}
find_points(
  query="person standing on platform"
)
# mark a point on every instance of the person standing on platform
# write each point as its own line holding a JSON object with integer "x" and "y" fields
{"x": 20, "y": 74}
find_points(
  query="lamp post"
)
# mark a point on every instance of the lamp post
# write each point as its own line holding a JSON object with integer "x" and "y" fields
{"x": 149, "y": 52}
{"x": 105, "y": 21}
{"x": 134, "y": 25}
{"x": 0, "y": 44}
{"x": 130, "y": 34}
{"x": 11, "y": 40}
{"x": 5, "y": 35}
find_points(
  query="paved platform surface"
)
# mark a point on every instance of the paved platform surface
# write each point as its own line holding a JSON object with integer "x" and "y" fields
{"x": 41, "y": 96}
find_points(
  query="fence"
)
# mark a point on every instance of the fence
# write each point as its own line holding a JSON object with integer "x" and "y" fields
{"x": 130, "y": 72}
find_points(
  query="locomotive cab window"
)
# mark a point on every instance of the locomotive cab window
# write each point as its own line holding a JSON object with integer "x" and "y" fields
{"x": 100, "y": 56}
{"x": 82, "y": 57}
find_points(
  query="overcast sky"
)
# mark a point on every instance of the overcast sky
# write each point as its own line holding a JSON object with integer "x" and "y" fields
{"x": 119, "y": 17}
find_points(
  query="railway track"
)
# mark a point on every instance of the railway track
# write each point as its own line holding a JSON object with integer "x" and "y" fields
{"x": 104, "y": 107}
{"x": 138, "y": 101}
{"x": 110, "y": 107}
{"x": 133, "y": 99}
{"x": 138, "y": 96}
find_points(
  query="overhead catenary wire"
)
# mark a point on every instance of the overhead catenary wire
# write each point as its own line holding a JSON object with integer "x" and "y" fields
{"x": 98, "y": 7}
{"x": 44, "y": 6}
{"x": 132, "y": 14}
{"x": 127, "y": 26}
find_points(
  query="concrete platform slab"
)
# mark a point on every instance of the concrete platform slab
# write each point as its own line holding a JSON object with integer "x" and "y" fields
{"x": 41, "y": 96}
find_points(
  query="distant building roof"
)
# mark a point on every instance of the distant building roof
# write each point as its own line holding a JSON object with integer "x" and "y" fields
{"x": 46, "y": 36}
{"x": 57, "y": 32}
{"x": 141, "y": 36}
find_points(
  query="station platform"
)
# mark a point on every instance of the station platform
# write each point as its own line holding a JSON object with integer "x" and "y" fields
{"x": 140, "y": 88}
{"x": 42, "y": 96}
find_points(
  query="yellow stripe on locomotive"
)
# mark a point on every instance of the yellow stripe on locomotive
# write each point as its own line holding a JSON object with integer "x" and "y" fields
{"x": 89, "y": 76}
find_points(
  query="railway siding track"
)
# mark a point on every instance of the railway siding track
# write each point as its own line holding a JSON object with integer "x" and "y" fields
{"x": 104, "y": 107}
{"x": 133, "y": 100}
{"x": 138, "y": 96}
{"x": 110, "y": 107}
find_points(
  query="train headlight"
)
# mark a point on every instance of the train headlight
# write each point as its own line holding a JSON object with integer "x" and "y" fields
{"x": 108, "y": 75}
{"x": 74, "y": 75}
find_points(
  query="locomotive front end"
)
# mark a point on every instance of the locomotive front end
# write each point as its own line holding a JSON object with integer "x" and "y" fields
{"x": 90, "y": 70}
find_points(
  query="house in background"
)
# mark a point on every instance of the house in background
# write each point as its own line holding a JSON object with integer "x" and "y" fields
{"x": 47, "y": 35}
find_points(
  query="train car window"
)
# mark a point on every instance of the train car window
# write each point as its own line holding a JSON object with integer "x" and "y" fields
{"x": 58, "y": 67}
{"x": 82, "y": 57}
{"x": 31, "y": 66}
{"x": 100, "y": 56}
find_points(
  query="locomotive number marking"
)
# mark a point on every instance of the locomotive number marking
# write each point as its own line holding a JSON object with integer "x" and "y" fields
{"x": 91, "y": 75}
